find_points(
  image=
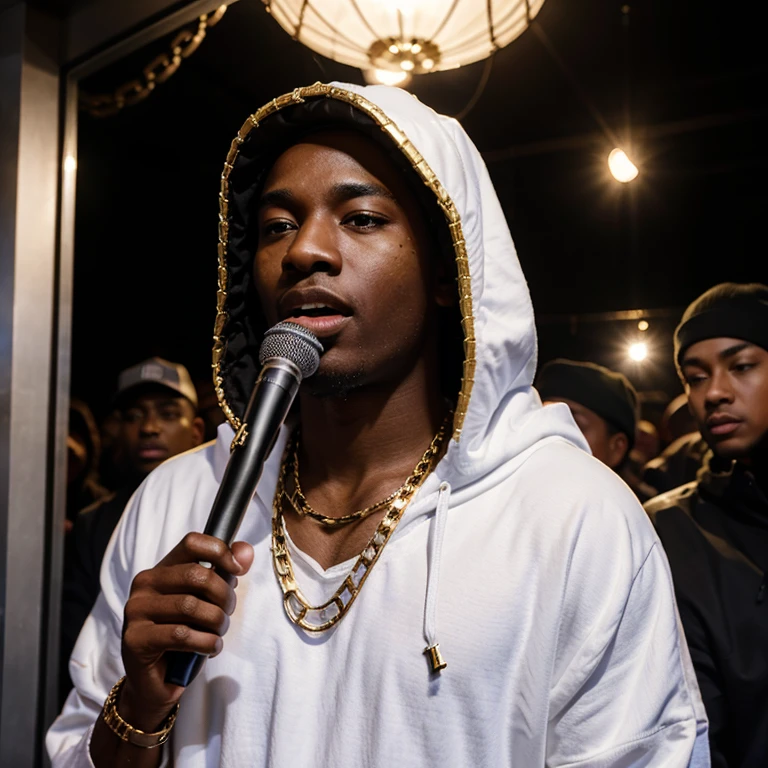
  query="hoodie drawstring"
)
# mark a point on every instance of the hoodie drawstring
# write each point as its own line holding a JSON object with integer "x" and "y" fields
{"x": 433, "y": 579}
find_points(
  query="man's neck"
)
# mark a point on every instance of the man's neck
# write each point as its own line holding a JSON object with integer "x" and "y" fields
{"x": 359, "y": 445}
{"x": 357, "y": 450}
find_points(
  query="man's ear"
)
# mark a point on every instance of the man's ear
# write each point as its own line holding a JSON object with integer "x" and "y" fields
{"x": 618, "y": 447}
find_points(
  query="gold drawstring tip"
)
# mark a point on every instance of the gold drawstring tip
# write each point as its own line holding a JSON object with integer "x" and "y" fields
{"x": 436, "y": 658}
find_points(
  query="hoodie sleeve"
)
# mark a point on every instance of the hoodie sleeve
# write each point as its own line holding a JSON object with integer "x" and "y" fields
{"x": 96, "y": 663}
{"x": 624, "y": 690}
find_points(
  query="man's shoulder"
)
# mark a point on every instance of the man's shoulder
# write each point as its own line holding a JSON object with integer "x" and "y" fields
{"x": 569, "y": 490}
{"x": 677, "y": 501}
{"x": 185, "y": 466}
{"x": 559, "y": 468}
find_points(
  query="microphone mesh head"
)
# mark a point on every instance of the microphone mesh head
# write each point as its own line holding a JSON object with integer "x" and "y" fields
{"x": 292, "y": 342}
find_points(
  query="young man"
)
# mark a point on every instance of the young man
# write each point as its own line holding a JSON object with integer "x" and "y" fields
{"x": 398, "y": 526}
{"x": 157, "y": 403}
{"x": 715, "y": 529}
{"x": 603, "y": 404}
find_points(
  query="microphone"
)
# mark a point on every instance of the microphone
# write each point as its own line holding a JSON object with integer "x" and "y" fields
{"x": 288, "y": 354}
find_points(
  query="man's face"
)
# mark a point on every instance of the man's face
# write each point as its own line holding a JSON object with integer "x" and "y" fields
{"x": 608, "y": 448}
{"x": 727, "y": 385}
{"x": 155, "y": 426}
{"x": 342, "y": 251}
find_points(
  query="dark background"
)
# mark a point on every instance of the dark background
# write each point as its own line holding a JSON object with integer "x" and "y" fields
{"x": 682, "y": 85}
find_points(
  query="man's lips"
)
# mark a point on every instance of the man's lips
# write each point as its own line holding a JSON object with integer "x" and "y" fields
{"x": 323, "y": 325}
{"x": 722, "y": 424}
{"x": 152, "y": 452}
{"x": 317, "y": 309}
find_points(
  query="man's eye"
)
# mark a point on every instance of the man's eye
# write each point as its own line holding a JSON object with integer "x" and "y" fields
{"x": 365, "y": 220}
{"x": 272, "y": 228}
{"x": 170, "y": 414}
{"x": 692, "y": 381}
{"x": 742, "y": 367}
{"x": 131, "y": 417}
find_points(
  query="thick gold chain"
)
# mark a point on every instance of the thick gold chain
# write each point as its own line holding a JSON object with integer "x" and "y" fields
{"x": 183, "y": 45}
{"x": 303, "y": 508}
{"x": 322, "y": 617}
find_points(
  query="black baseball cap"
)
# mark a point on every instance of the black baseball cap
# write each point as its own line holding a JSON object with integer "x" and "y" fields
{"x": 155, "y": 372}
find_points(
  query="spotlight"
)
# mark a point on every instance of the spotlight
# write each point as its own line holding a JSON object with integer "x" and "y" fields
{"x": 70, "y": 163}
{"x": 622, "y": 168}
{"x": 642, "y": 325}
{"x": 638, "y": 351}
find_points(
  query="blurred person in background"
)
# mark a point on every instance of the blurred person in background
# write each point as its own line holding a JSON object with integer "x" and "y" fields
{"x": 208, "y": 408}
{"x": 715, "y": 529}
{"x": 647, "y": 441}
{"x": 111, "y": 469}
{"x": 646, "y": 447}
{"x": 157, "y": 405}
{"x": 684, "y": 453}
{"x": 677, "y": 421}
{"x": 603, "y": 404}
{"x": 83, "y": 452}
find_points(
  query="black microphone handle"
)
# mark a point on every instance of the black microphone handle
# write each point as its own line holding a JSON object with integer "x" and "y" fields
{"x": 267, "y": 409}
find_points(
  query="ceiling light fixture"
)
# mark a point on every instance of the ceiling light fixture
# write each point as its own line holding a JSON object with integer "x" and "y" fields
{"x": 412, "y": 36}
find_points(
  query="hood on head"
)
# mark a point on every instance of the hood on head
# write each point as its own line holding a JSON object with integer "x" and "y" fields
{"x": 496, "y": 315}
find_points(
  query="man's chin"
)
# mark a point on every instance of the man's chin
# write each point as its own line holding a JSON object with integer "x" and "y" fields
{"x": 333, "y": 383}
{"x": 145, "y": 467}
{"x": 733, "y": 450}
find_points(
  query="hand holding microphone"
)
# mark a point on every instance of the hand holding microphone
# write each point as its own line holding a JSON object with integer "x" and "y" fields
{"x": 179, "y": 610}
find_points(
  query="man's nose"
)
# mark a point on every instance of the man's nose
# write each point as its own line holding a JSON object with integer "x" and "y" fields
{"x": 720, "y": 389}
{"x": 150, "y": 424}
{"x": 314, "y": 248}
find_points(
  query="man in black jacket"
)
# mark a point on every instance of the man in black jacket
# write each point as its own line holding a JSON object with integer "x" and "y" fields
{"x": 715, "y": 530}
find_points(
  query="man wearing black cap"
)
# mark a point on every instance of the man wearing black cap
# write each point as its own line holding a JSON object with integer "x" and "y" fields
{"x": 715, "y": 530}
{"x": 157, "y": 403}
{"x": 603, "y": 404}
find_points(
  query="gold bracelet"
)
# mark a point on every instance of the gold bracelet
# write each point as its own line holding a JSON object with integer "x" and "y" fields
{"x": 127, "y": 732}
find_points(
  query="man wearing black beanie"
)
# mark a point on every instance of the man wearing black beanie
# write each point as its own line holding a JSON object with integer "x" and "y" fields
{"x": 603, "y": 404}
{"x": 715, "y": 530}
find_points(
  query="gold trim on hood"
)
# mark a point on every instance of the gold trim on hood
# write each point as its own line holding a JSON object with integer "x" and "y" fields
{"x": 419, "y": 164}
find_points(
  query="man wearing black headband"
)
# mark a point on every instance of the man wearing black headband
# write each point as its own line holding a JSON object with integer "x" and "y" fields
{"x": 715, "y": 530}
{"x": 603, "y": 404}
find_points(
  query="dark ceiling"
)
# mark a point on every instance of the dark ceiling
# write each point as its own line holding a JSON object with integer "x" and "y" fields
{"x": 681, "y": 83}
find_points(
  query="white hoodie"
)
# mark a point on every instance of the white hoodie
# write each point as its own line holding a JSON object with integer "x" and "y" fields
{"x": 531, "y": 564}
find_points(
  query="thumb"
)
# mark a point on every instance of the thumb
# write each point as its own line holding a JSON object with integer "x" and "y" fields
{"x": 242, "y": 551}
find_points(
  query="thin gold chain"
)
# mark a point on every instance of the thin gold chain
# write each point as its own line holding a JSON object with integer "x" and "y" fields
{"x": 303, "y": 508}
{"x": 322, "y": 617}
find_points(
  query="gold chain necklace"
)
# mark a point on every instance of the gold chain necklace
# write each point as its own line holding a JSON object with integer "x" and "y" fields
{"x": 322, "y": 617}
{"x": 303, "y": 508}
